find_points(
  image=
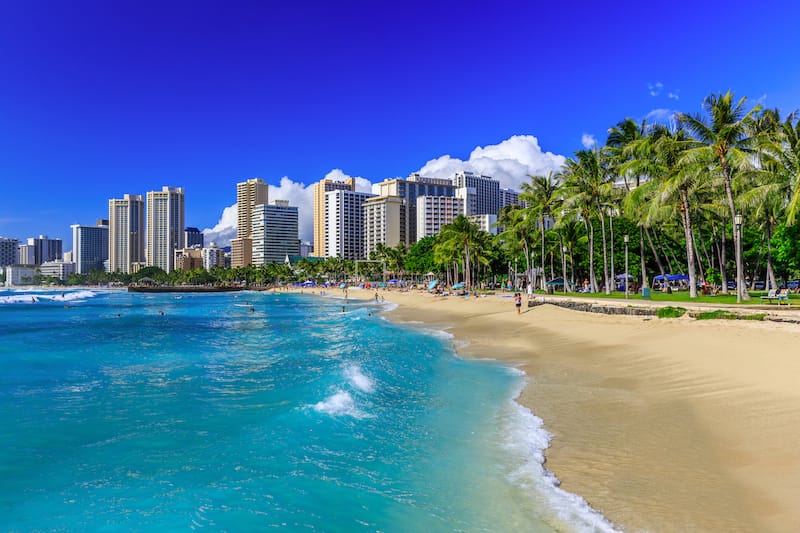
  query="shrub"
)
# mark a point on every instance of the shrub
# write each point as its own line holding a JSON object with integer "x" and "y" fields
{"x": 719, "y": 314}
{"x": 671, "y": 312}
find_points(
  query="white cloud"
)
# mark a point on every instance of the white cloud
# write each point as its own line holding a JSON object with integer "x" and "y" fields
{"x": 661, "y": 116}
{"x": 655, "y": 88}
{"x": 674, "y": 95}
{"x": 588, "y": 141}
{"x": 511, "y": 162}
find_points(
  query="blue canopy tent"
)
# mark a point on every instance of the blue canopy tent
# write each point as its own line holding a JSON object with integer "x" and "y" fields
{"x": 432, "y": 285}
{"x": 458, "y": 286}
{"x": 672, "y": 277}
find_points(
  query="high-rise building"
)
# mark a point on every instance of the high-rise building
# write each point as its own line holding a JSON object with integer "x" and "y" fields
{"x": 487, "y": 223}
{"x": 213, "y": 256}
{"x": 344, "y": 223}
{"x": 57, "y": 269}
{"x": 433, "y": 212}
{"x": 384, "y": 222}
{"x": 409, "y": 190}
{"x": 249, "y": 194}
{"x": 509, "y": 197}
{"x": 165, "y": 223}
{"x": 320, "y": 188}
{"x": 44, "y": 249}
{"x": 274, "y": 232}
{"x": 9, "y": 251}
{"x": 27, "y": 254}
{"x": 126, "y": 233}
{"x": 89, "y": 247}
{"x": 189, "y": 258}
{"x": 486, "y": 189}
{"x": 192, "y": 237}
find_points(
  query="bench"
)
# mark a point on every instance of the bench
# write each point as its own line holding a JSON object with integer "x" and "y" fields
{"x": 778, "y": 296}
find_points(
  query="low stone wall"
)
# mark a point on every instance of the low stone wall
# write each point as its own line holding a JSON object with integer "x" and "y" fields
{"x": 591, "y": 307}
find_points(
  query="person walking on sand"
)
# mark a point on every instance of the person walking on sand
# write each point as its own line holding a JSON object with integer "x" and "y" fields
{"x": 517, "y": 301}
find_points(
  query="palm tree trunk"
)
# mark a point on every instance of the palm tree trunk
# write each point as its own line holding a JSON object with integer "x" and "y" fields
{"x": 611, "y": 245}
{"x": 697, "y": 256}
{"x": 723, "y": 272}
{"x": 592, "y": 276}
{"x": 771, "y": 284}
{"x": 737, "y": 238}
{"x": 605, "y": 252}
{"x": 655, "y": 253}
{"x": 641, "y": 257}
{"x": 544, "y": 277}
{"x": 690, "y": 255}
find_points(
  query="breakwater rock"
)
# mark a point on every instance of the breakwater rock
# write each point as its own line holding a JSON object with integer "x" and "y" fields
{"x": 592, "y": 307}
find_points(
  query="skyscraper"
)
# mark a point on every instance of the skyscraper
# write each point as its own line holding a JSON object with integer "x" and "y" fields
{"x": 9, "y": 251}
{"x": 125, "y": 233}
{"x": 165, "y": 223}
{"x": 409, "y": 190}
{"x": 486, "y": 190}
{"x": 192, "y": 236}
{"x": 320, "y": 188}
{"x": 384, "y": 222}
{"x": 344, "y": 223}
{"x": 89, "y": 247}
{"x": 274, "y": 232}
{"x": 249, "y": 194}
{"x": 45, "y": 249}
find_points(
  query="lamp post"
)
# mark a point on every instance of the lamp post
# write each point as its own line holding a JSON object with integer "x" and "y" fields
{"x": 737, "y": 220}
{"x": 564, "y": 267}
{"x": 625, "y": 239}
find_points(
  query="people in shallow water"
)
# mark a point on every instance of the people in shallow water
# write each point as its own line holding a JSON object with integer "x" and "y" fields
{"x": 161, "y": 313}
{"x": 342, "y": 309}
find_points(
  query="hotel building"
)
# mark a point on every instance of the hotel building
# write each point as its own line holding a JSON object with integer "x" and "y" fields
{"x": 165, "y": 223}
{"x": 344, "y": 223}
{"x": 126, "y": 233}
{"x": 192, "y": 237}
{"x": 320, "y": 189}
{"x": 249, "y": 194}
{"x": 89, "y": 246}
{"x": 384, "y": 222}
{"x": 409, "y": 190}
{"x": 274, "y": 232}
{"x": 433, "y": 212}
{"x": 486, "y": 192}
{"x": 9, "y": 251}
{"x": 213, "y": 256}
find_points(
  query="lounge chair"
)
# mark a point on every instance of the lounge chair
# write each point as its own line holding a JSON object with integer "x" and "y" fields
{"x": 770, "y": 296}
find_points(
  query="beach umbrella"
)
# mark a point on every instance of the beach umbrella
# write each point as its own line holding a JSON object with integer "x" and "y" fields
{"x": 343, "y": 285}
{"x": 394, "y": 281}
{"x": 381, "y": 284}
{"x": 458, "y": 286}
{"x": 433, "y": 284}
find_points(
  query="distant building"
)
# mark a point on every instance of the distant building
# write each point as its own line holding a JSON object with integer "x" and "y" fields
{"x": 487, "y": 223}
{"x": 509, "y": 197}
{"x": 344, "y": 223}
{"x": 470, "y": 199}
{"x": 486, "y": 190}
{"x": 213, "y": 256}
{"x": 320, "y": 189}
{"x": 89, "y": 247}
{"x": 192, "y": 237}
{"x": 17, "y": 275}
{"x": 433, "y": 212}
{"x": 274, "y": 232}
{"x": 165, "y": 223}
{"x": 44, "y": 249}
{"x": 125, "y": 233}
{"x": 9, "y": 251}
{"x": 249, "y": 194}
{"x": 384, "y": 222}
{"x": 306, "y": 249}
{"x": 189, "y": 258}
{"x": 409, "y": 190}
{"x": 57, "y": 269}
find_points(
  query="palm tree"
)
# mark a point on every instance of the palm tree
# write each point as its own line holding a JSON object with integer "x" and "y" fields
{"x": 518, "y": 233}
{"x": 463, "y": 234}
{"x": 542, "y": 195}
{"x": 726, "y": 140}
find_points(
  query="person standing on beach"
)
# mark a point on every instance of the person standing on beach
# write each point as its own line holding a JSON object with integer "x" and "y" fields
{"x": 517, "y": 301}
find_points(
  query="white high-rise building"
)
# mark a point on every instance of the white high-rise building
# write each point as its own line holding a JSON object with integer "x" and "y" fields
{"x": 125, "y": 233}
{"x": 165, "y": 223}
{"x": 320, "y": 189}
{"x": 487, "y": 223}
{"x": 409, "y": 190}
{"x": 384, "y": 222}
{"x": 89, "y": 247}
{"x": 249, "y": 194}
{"x": 274, "y": 230}
{"x": 433, "y": 212}
{"x": 213, "y": 256}
{"x": 486, "y": 190}
{"x": 344, "y": 223}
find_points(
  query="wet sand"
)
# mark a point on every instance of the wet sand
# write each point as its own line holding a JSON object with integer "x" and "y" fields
{"x": 661, "y": 425}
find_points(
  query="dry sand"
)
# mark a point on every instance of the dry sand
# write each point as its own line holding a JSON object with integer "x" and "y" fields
{"x": 662, "y": 425}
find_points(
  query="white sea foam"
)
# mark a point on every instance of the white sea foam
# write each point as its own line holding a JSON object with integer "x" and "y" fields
{"x": 526, "y": 439}
{"x": 27, "y": 297}
{"x": 358, "y": 379}
{"x": 339, "y": 404}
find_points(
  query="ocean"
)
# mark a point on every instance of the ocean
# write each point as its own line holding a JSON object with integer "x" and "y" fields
{"x": 250, "y": 411}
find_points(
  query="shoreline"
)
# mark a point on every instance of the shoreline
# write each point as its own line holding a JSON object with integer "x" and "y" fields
{"x": 660, "y": 425}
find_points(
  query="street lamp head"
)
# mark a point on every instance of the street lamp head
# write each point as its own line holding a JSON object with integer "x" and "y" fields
{"x": 625, "y": 238}
{"x": 737, "y": 219}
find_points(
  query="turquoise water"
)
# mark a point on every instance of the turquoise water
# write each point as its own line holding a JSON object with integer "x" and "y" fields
{"x": 252, "y": 411}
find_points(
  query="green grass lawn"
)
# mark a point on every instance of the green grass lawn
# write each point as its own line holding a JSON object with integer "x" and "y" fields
{"x": 682, "y": 297}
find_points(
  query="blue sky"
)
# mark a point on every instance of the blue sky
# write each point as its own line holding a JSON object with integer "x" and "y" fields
{"x": 99, "y": 99}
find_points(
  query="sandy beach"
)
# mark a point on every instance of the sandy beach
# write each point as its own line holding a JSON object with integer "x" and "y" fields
{"x": 661, "y": 425}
